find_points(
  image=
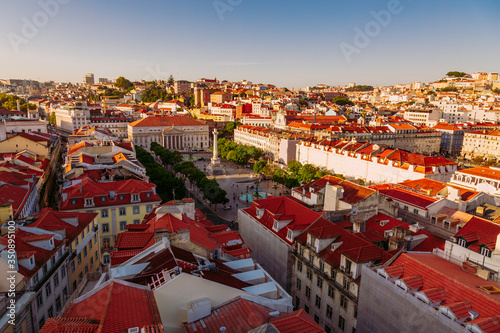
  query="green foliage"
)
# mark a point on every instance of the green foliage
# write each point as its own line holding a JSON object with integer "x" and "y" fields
{"x": 456, "y": 74}
{"x": 341, "y": 100}
{"x": 52, "y": 118}
{"x": 294, "y": 166}
{"x": 123, "y": 84}
{"x": 477, "y": 160}
{"x": 280, "y": 176}
{"x": 9, "y": 102}
{"x": 154, "y": 93}
{"x": 239, "y": 154}
{"x": 491, "y": 161}
{"x": 171, "y": 80}
{"x": 454, "y": 89}
{"x": 360, "y": 88}
{"x": 111, "y": 92}
{"x": 303, "y": 102}
{"x": 307, "y": 172}
{"x": 231, "y": 126}
{"x": 259, "y": 167}
{"x": 496, "y": 91}
{"x": 166, "y": 183}
{"x": 168, "y": 157}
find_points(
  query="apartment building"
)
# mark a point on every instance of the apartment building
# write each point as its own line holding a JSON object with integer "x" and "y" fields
{"x": 182, "y": 86}
{"x": 71, "y": 116}
{"x": 423, "y": 116}
{"x": 326, "y": 274}
{"x": 481, "y": 143}
{"x": 81, "y": 236}
{"x": 117, "y": 203}
{"x": 41, "y": 266}
{"x": 371, "y": 162}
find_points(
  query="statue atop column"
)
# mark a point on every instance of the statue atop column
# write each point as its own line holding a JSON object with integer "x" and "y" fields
{"x": 215, "y": 157}
{"x": 215, "y": 167}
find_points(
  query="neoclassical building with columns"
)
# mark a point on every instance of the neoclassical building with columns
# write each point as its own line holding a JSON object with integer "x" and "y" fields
{"x": 172, "y": 132}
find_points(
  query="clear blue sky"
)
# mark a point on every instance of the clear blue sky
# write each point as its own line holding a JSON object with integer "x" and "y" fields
{"x": 289, "y": 43}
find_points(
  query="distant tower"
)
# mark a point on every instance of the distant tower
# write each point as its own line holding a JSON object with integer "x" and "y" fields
{"x": 88, "y": 78}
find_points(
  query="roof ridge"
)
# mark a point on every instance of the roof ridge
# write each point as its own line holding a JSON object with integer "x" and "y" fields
{"x": 106, "y": 307}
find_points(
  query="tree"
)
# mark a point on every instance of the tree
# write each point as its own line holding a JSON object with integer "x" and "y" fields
{"x": 123, "y": 84}
{"x": 52, "y": 118}
{"x": 294, "y": 166}
{"x": 259, "y": 167}
{"x": 171, "y": 80}
{"x": 341, "y": 100}
{"x": 456, "y": 74}
{"x": 280, "y": 176}
{"x": 307, "y": 172}
{"x": 231, "y": 126}
{"x": 360, "y": 88}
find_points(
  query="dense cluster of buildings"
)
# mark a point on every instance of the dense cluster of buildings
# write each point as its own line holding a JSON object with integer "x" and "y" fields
{"x": 402, "y": 238}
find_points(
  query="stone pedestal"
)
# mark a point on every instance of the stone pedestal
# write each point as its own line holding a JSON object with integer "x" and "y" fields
{"x": 215, "y": 167}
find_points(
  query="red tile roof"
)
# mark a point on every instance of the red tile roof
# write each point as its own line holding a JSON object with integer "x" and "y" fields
{"x": 459, "y": 285}
{"x": 115, "y": 307}
{"x": 166, "y": 121}
{"x": 277, "y": 207}
{"x": 134, "y": 240}
{"x": 297, "y": 321}
{"x": 478, "y": 232}
{"x": 405, "y": 196}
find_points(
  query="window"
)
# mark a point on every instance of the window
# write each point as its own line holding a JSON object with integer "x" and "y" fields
{"x": 90, "y": 245}
{"x": 329, "y": 311}
{"x": 148, "y": 194}
{"x": 136, "y": 210}
{"x": 330, "y": 291}
{"x": 299, "y": 266}
{"x": 301, "y": 250}
{"x": 121, "y": 197}
{"x": 56, "y": 280}
{"x": 149, "y": 208}
{"x": 44, "y": 269}
{"x": 104, "y": 213}
{"x": 105, "y": 259}
{"x": 73, "y": 267}
{"x": 309, "y": 274}
{"x": 316, "y": 318}
{"x": 343, "y": 301}
{"x": 105, "y": 227}
{"x": 80, "y": 276}
{"x": 122, "y": 211}
{"x": 311, "y": 257}
{"x": 297, "y": 301}
{"x": 321, "y": 265}
{"x": 103, "y": 198}
{"x": 328, "y": 329}
{"x": 89, "y": 202}
{"x": 39, "y": 300}
{"x": 299, "y": 284}
{"x": 123, "y": 225}
{"x": 58, "y": 303}
{"x": 79, "y": 257}
{"x": 306, "y": 308}
{"x": 73, "y": 201}
{"x": 341, "y": 323}
{"x": 85, "y": 252}
{"x": 50, "y": 312}
{"x": 415, "y": 211}
{"x": 65, "y": 292}
{"x": 77, "y": 241}
{"x": 137, "y": 221}
{"x": 95, "y": 239}
{"x": 41, "y": 322}
{"x": 346, "y": 283}
{"x": 462, "y": 242}
{"x": 318, "y": 301}
{"x": 135, "y": 197}
{"x": 348, "y": 265}
{"x": 308, "y": 292}
{"x": 485, "y": 252}
{"x": 48, "y": 290}
{"x": 405, "y": 208}
{"x": 354, "y": 330}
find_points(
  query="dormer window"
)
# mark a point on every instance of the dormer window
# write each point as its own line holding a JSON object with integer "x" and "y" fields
{"x": 462, "y": 242}
{"x": 121, "y": 197}
{"x": 275, "y": 226}
{"x": 148, "y": 194}
{"x": 485, "y": 252}
{"x": 89, "y": 202}
{"x": 103, "y": 198}
{"x": 135, "y": 197}
{"x": 73, "y": 201}
{"x": 289, "y": 235}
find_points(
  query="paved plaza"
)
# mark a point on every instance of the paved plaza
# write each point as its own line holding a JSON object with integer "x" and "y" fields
{"x": 237, "y": 181}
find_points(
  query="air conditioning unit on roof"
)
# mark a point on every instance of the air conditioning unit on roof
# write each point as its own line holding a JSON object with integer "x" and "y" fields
{"x": 133, "y": 330}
